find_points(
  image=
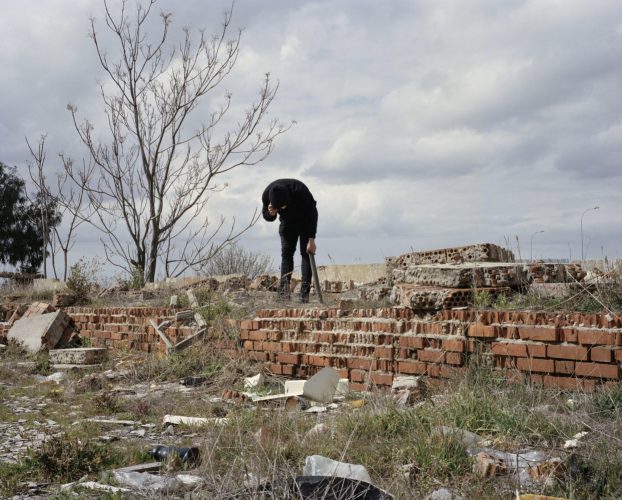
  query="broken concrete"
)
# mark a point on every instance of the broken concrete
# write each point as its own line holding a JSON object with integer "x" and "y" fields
{"x": 43, "y": 331}
{"x": 79, "y": 356}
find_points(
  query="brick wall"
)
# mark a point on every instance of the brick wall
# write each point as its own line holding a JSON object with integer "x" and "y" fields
{"x": 372, "y": 346}
{"x": 127, "y": 328}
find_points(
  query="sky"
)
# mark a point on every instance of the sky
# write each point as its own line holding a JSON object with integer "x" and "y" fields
{"x": 420, "y": 124}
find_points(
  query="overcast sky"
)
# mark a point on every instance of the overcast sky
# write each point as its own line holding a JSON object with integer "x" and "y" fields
{"x": 420, "y": 124}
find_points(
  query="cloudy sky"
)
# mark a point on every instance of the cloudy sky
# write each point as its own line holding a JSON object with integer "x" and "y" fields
{"x": 420, "y": 123}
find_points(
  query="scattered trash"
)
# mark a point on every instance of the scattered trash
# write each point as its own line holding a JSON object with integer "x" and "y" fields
{"x": 109, "y": 421}
{"x": 186, "y": 455}
{"x": 92, "y": 485}
{"x": 252, "y": 382}
{"x": 190, "y": 481}
{"x": 235, "y": 396}
{"x": 294, "y": 403}
{"x": 343, "y": 387}
{"x": 574, "y": 442}
{"x": 356, "y": 403}
{"x": 330, "y": 488}
{"x": 443, "y": 494}
{"x": 316, "y": 409}
{"x": 316, "y": 431}
{"x": 148, "y": 482}
{"x": 178, "y": 420}
{"x": 491, "y": 462}
{"x": 469, "y": 439}
{"x": 321, "y": 387}
{"x": 317, "y": 465}
{"x": 56, "y": 377}
{"x": 193, "y": 381}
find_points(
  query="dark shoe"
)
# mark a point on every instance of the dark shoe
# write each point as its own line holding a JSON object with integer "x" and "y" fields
{"x": 283, "y": 297}
{"x": 304, "y": 299}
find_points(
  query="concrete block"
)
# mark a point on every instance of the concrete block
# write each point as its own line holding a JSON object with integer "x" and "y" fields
{"x": 79, "y": 356}
{"x": 42, "y": 331}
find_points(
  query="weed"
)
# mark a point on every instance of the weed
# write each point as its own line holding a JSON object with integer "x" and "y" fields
{"x": 42, "y": 363}
{"x": 66, "y": 458}
{"x": 82, "y": 279}
{"x": 609, "y": 402}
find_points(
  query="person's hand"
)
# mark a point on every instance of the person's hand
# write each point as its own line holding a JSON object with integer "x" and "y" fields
{"x": 311, "y": 248}
{"x": 271, "y": 209}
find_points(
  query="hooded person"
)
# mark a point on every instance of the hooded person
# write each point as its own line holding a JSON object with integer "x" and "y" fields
{"x": 292, "y": 201}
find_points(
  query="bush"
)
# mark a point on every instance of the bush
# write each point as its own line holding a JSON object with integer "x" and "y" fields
{"x": 82, "y": 279}
{"x": 234, "y": 259}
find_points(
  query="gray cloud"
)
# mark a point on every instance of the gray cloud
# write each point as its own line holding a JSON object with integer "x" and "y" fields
{"x": 420, "y": 123}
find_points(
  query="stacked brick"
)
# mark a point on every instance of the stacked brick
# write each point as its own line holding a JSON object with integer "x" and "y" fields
{"x": 128, "y": 328}
{"x": 372, "y": 346}
{"x": 446, "y": 278}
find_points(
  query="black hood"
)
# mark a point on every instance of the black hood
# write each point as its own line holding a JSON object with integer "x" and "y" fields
{"x": 279, "y": 196}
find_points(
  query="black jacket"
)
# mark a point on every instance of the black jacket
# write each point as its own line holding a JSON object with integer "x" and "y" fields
{"x": 300, "y": 212}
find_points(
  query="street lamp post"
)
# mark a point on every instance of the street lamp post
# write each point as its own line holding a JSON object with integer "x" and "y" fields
{"x": 531, "y": 245}
{"x": 584, "y": 212}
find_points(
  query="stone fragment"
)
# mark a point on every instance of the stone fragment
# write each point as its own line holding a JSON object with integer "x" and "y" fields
{"x": 79, "y": 356}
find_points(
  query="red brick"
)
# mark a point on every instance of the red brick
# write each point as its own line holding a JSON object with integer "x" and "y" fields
{"x": 414, "y": 367}
{"x": 536, "y": 350}
{"x": 551, "y": 381}
{"x": 567, "y": 352}
{"x": 359, "y": 363}
{"x": 535, "y": 365}
{"x": 246, "y": 324}
{"x": 509, "y": 349}
{"x": 618, "y": 355}
{"x": 541, "y": 333}
{"x": 598, "y": 370}
{"x": 411, "y": 341}
{"x": 287, "y": 358}
{"x": 568, "y": 335}
{"x": 453, "y": 345}
{"x": 565, "y": 367}
{"x": 380, "y": 378}
{"x": 454, "y": 358}
{"x": 384, "y": 352}
{"x": 357, "y": 375}
{"x": 479, "y": 330}
{"x": 452, "y": 371}
{"x": 276, "y": 369}
{"x": 258, "y": 335}
{"x": 431, "y": 356}
{"x": 601, "y": 354}
{"x": 594, "y": 337}
{"x": 434, "y": 370}
{"x": 258, "y": 356}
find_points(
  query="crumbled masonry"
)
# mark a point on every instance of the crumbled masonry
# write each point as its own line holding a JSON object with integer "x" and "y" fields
{"x": 431, "y": 330}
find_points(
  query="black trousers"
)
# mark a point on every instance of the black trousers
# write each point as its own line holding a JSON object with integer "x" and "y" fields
{"x": 289, "y": 239}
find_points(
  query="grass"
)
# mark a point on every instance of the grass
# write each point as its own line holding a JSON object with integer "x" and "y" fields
{"x": 379, "y": 435}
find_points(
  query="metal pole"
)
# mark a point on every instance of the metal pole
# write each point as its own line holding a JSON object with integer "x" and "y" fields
{"x": 531, "y": 245}
{"x": 581, "y": 226}
{"x": 316, "y": 280}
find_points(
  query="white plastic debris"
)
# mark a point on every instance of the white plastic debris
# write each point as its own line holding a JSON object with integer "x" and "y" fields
{"x": 256, "y": 381}
{"x": 178, "y": 419}
{"x": 574, "y": 442}
{"x": 190, "y": 480}
{"x": 149, "y": 482}
{"x": 57, "y": 377}
{"x": 317, "y": 465}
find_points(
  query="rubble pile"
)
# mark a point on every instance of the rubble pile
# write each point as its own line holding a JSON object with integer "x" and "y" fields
{"x": 447, "y": 278}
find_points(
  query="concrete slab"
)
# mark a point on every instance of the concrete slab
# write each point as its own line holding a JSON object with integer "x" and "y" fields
{"x": 43, "y": 331}
{"x": 79, "y": 356}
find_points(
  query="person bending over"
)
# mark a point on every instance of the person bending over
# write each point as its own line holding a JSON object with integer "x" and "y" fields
{"x": 292, "y": 201}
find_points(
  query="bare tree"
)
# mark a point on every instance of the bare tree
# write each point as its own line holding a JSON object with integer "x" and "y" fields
{"x": 156, "y": 174}
{"x": 35, "y": 170}
{"x": 66, "y": 198}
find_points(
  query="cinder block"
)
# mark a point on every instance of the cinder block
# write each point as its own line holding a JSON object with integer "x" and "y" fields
{"x": 78, "y": 356}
